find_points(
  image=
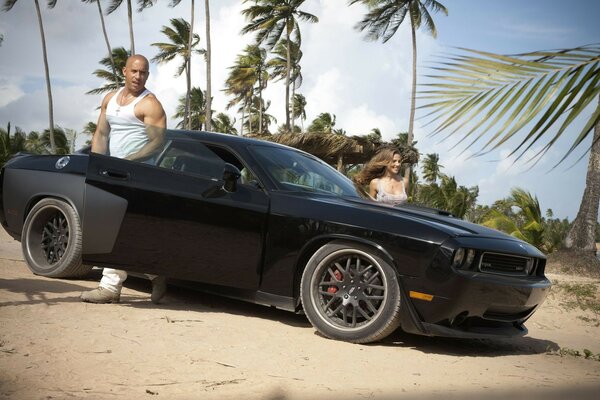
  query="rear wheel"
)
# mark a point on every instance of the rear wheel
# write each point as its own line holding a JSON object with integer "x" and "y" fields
{"x": 52, "y": 240}
{"x": 351, "y": 293}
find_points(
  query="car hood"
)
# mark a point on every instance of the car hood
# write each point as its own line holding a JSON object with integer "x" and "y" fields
{"x": 441, "y": 220}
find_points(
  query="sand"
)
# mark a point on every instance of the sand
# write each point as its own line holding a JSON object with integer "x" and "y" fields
{"x": 194, "y": 345}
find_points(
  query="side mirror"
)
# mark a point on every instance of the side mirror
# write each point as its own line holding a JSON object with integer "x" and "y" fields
{"x": 230, "y": 177}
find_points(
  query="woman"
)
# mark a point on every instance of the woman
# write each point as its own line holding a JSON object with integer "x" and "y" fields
{"x": 382, "y": 173}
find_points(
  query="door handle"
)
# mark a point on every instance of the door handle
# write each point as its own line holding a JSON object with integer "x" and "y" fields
{"x": 115, "y": 174}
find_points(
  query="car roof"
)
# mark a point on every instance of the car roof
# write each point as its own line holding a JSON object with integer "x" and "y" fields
{"x": 224, "y": 138}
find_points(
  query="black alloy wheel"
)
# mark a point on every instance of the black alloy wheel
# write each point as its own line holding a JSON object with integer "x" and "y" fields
{"x": 350, "y": 293}
{"x": 52, "y": 240}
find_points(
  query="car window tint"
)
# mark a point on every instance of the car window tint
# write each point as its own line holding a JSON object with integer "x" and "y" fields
{"x": 192, "y": 157}
{"x": 297, "y": 171}
{"x": 227, "y": 156}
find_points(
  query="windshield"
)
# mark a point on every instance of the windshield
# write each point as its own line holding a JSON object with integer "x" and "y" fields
{"x": 299, "y": 172}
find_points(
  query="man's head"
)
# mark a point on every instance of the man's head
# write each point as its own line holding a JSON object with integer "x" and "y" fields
{"x": 136, "y": 73}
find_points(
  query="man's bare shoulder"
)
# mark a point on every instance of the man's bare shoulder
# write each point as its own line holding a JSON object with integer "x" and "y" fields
{"x": 108, "y": 96}
{"x": 151, "y": 101}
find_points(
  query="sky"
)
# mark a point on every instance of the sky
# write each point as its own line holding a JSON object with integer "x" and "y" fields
{"x": 365, "y": 84}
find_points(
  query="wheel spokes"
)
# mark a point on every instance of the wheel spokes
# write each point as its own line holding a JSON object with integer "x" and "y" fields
{"x": 351, "y": 290}
{"x": 55, "y": 238}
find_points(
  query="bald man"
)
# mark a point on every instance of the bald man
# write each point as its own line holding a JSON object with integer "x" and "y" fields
{"x": 132, "y": 126}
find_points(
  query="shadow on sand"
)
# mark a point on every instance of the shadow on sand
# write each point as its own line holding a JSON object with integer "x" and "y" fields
{"x": 37, "y": 290}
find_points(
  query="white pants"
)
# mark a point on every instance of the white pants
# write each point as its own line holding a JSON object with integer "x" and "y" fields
{"x": 112, "y": 279}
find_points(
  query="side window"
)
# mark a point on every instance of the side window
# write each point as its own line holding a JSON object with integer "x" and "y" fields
{"x": 227, "y": 156}
{"x": 192, "y": 157}
{"x": 200, "y": 159}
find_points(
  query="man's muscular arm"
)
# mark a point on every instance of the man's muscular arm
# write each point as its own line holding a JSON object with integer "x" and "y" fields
{"x": 100, "y": 138}
{"x": 151, "y": 112}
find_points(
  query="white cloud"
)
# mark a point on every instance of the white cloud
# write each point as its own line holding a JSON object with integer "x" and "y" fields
{"x": 366, "y": 84}
{"x": 9, "y": 92}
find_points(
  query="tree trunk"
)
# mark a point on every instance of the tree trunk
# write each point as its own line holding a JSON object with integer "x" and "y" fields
{"x": 293, "y": 94}
{"x": 582, "y": 235}
{"x": 110, "y": 54}
{"x": 340, "y": 163}
{"x": 208, "y": 119}
{"x": 48, "y": 87}
{"x": 287, "y": 79}
{"x": 188, "y": 81}
{"x": 411, "y": 118}
{"x": 242, "y": 127}
{"x": 260, "y": 101}
{"x": 130, "y": 18}
{"x": 187, "y": 118}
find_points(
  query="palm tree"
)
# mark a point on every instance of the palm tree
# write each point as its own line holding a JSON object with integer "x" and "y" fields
{"x": 270, "y": 19}
{"x": 526, "y": 224}
{"x": 224, "y": 124}
{"x": 33, "y": 143}
{"x": 447, "y": 195}
{"x": 119, "y": 57}
{"x": 432, "y": 167}
{"x": 299, "y": 109}
{"x": 179, "y": 35}
{"x": 196, "y": 112}
{"x": 278, "y": 65}
{"x": 10, "y": 144}
{"x": 248, "y": 76}
{"x": 531, "y": 89}
{"x": 383, "y": 20}
{"x": 324, "y": 123}
{"x": 207, "y": 56}
{"x": 208, "y": 68}
{"x": 258, "y": 112}
{"x": 62, "y": 143}
{"x": 8, "y": 5}
{"x": 142, "y": 4}
{"x": 112, "y": 61}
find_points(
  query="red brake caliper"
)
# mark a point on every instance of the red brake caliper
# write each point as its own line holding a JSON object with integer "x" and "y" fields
{"x": 338, "y": 276}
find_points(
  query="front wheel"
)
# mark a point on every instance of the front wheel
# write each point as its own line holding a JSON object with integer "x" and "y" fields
{"x": 351, "y": 293}
{"x": 52, "y": 240}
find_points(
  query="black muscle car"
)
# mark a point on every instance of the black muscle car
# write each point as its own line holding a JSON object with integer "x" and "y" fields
{"x": 276, "y": 226}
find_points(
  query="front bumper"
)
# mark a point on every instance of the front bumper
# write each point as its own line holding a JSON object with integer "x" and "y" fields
{"x": 472, "y": 305}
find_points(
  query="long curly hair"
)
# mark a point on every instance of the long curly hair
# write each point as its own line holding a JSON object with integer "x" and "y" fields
{"x": 376, "y": 166}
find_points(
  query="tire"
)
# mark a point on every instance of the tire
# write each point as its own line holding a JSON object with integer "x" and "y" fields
{"x": 342, "y": 307}
{"x": 52, "y": 240}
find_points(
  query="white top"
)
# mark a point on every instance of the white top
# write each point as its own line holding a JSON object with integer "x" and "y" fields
{"x": 389, "y": 198}
{"x": 127, "y": 132}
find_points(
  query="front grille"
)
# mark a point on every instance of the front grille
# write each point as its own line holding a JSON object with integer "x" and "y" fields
{"x": 505, "y": 265}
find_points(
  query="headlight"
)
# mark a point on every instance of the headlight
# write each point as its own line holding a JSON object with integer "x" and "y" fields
{"x": 470, "y": 258}
{"x": 459, "y": 255}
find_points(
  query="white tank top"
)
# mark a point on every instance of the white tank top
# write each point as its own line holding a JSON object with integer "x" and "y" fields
{"x": 389, "y": 198}
{"x": 127, "y": 132}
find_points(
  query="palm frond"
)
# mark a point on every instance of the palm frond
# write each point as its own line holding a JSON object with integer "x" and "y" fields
{"x": 501, "y": 95}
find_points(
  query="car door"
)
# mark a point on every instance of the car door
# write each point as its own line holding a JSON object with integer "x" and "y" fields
{"x": 178, "y": 221}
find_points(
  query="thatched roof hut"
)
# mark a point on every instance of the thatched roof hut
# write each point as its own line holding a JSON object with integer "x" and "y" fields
{"x": 338, "y": 150}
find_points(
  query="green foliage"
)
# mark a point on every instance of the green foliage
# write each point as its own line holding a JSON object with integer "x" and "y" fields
{"x": 555, "y": 231}
{"x": 197, "y": 110}
{"x": 385, "y": 17}
{"x": 178, "y": 34}
{"x": 10, "y": 144}
{"x": 120, "y": 56}
{"x": 518, "y": 215}
{"x": 324, "y": 123}
{"x": 580, "y": 295}
{"x": 442, "y": 191}
{"x": 508, "y": 93}
{"x": 224, "y": 124}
